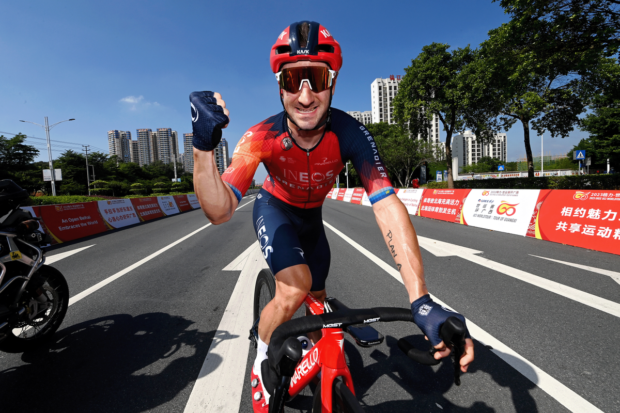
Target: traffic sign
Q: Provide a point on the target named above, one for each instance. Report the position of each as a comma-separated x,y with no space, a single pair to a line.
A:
47,175
439,176
500,168
579,155
588,161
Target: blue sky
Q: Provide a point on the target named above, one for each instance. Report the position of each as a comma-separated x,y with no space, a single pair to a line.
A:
132,64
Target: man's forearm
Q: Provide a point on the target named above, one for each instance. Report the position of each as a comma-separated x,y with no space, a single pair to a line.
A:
216,198
402,242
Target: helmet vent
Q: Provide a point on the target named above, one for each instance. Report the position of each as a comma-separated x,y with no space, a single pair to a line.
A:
325,48
283,50
302,32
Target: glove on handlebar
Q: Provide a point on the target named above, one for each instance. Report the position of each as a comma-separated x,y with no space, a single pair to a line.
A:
429,316
208,118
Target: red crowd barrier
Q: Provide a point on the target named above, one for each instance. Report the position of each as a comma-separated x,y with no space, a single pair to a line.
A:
147,208
586,219
72,221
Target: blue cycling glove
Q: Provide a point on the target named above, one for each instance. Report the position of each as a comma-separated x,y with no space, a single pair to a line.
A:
208,119
429,316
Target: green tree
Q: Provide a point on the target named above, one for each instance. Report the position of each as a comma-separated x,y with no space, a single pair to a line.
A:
401,154
533,92
484,164
439,83
569,34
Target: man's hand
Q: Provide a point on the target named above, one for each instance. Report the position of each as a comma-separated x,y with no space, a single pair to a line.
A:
209,117
429,316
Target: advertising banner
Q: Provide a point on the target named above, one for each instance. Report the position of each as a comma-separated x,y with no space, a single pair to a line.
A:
356,197
72,221
147,208
587,219
500,210
348,194
182,202
193,201
443,204
366,200
341,193
329,194
167,205
118,213
335,193
411,199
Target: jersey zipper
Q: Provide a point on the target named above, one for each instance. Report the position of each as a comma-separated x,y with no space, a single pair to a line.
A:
309,177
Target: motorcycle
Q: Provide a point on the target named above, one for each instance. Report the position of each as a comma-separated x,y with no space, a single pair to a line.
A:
33,296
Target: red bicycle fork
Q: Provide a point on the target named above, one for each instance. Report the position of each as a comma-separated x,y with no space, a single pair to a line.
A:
326,357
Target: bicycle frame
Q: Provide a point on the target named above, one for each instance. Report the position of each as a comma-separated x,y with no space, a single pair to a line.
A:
327,357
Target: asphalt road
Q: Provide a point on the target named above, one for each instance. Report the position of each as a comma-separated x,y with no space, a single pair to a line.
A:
138,343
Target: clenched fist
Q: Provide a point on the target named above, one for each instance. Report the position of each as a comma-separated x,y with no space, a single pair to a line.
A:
209,117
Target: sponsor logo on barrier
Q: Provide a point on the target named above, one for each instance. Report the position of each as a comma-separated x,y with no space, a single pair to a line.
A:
485,193
581,196
506,208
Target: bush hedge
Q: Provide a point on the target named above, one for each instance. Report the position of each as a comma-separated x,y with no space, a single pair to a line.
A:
61,199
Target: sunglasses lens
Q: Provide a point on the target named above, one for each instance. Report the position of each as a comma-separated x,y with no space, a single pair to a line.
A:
292,79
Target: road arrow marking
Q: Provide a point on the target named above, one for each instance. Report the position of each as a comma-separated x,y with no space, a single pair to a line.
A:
562,394
614,275
444,249
219,384
57,257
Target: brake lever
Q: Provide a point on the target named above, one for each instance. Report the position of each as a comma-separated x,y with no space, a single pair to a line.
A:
453,335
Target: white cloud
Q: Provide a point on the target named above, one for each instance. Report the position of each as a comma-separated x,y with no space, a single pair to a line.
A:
137,102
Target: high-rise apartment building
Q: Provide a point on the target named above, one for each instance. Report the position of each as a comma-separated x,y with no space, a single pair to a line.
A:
145,138
383,92
221,156
467,150
119,144
134,152
167,145
188,152
365,118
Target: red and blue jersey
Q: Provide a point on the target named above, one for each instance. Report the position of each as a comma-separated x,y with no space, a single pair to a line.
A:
301,177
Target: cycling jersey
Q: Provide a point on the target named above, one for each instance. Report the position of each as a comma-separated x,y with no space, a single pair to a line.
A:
303,177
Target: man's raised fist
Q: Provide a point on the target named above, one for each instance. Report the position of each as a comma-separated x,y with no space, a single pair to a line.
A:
209,117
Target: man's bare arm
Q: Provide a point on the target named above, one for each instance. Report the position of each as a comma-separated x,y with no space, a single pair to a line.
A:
402,241
216,198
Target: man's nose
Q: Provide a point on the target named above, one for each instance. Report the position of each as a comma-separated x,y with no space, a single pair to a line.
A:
306,97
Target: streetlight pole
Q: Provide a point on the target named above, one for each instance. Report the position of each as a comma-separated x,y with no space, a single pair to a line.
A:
47,128
542,156
85,149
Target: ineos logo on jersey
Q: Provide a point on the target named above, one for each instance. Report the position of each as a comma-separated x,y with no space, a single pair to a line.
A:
263,238
194,111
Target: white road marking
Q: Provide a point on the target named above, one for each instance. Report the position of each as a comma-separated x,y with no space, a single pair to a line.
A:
614,275
444,249
565,396
219,384
132,267
57,257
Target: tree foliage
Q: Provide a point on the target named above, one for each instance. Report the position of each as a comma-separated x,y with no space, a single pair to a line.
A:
439,83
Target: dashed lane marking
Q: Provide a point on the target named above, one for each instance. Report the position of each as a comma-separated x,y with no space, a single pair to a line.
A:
219,384
612,274
565,396
57,257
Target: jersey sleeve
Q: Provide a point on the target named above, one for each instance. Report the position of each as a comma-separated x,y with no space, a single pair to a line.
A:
253,147
358,145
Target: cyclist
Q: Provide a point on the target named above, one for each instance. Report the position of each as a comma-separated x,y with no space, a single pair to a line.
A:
304,148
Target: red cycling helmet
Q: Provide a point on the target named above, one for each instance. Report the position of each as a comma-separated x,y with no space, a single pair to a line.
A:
320,46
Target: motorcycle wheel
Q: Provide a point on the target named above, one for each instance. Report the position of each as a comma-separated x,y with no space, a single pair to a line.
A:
29,333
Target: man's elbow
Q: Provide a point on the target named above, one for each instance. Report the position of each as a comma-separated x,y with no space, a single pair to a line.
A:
219,219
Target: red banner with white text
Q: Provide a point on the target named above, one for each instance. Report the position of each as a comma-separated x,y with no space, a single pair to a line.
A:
341,193
587,219
443,204
147,208
72,221
182,203
358,194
